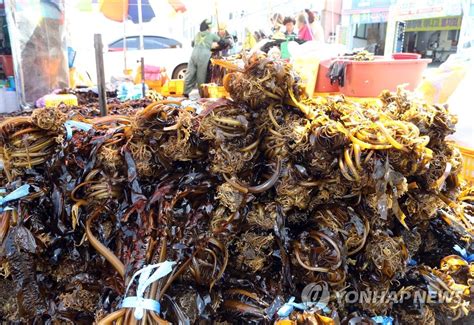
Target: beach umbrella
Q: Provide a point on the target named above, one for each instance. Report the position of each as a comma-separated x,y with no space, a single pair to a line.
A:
138,11
121,10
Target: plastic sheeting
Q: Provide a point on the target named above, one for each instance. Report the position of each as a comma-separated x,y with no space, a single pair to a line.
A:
460,103
38,38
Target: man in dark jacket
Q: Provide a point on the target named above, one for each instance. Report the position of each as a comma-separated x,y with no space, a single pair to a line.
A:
226,41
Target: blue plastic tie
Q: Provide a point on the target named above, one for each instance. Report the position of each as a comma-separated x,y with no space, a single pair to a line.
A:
20,192
76,124
288,307
384,320
144,281
143,303
412,262
463,252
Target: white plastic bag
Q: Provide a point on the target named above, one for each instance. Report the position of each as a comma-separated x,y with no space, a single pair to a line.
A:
460,103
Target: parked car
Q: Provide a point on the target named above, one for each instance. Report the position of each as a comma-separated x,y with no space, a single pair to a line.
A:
158,51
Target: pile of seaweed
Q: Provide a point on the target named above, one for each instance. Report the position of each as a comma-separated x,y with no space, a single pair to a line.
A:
235,213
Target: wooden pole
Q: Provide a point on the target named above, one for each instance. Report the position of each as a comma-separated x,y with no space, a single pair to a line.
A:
142,47
99,63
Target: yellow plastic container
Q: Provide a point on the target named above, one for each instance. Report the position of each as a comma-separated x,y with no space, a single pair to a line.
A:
468,163
154,84
56,100
212,90
173,87
215,91
221,92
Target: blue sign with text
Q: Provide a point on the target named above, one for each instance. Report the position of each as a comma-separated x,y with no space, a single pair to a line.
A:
371,4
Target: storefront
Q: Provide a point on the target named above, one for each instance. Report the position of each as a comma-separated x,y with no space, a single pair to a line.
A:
431,28
366,22
434,38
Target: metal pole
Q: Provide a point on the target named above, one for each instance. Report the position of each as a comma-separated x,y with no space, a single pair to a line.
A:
124,21
99,63
142,60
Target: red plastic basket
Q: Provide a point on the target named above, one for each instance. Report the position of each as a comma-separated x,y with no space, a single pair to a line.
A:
370,78
406,56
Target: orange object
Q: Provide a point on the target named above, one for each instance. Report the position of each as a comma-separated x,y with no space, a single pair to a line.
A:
370,78
406,56
114,9
154,84
285,322
467,163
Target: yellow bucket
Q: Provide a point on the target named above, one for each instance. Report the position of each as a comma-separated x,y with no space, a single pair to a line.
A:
174,87
56,100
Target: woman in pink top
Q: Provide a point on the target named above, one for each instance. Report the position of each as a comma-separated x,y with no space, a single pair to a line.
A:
304,29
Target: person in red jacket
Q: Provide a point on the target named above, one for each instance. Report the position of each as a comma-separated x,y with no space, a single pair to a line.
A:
304,29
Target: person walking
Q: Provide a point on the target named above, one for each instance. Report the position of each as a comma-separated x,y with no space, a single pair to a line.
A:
304,29
315,25
199,61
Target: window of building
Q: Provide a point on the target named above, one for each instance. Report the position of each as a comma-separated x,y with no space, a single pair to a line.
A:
361,31
453,35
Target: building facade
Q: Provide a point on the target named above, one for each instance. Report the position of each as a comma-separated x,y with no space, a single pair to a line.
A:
429,27
331,18
365,24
